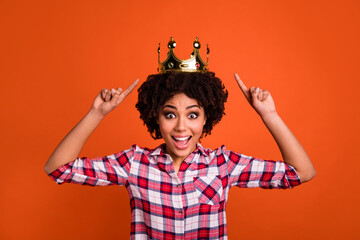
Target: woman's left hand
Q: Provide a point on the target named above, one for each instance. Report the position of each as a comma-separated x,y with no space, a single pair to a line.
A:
258,98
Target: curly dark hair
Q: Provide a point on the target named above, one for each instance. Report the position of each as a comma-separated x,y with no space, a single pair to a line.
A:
207,89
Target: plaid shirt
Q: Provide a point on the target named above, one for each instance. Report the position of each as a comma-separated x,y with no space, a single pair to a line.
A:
187,205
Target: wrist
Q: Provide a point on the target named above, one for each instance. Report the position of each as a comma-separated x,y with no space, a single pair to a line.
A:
94,113
270,116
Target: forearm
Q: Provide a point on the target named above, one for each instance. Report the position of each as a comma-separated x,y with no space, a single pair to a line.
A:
292,151
70,147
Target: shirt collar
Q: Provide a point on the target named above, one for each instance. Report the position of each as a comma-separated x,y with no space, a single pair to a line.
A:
159,151
200,149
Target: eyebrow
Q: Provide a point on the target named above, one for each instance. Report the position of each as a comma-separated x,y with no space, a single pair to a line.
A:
188,107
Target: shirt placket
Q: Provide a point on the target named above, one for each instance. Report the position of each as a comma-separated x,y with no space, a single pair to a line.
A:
178,204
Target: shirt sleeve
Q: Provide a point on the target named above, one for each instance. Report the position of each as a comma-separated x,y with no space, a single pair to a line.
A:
100,171
249,172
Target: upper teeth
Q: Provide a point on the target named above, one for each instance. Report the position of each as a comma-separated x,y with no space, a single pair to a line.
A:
181,139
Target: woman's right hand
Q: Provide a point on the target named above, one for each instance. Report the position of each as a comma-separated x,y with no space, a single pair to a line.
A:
107,100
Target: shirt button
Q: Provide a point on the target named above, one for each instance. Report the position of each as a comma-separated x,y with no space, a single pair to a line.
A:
178,185
180,211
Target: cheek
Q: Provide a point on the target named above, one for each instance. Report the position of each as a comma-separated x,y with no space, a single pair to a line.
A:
198,129
202,124
164,126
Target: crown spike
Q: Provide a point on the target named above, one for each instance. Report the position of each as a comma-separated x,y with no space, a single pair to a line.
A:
173,63
172,43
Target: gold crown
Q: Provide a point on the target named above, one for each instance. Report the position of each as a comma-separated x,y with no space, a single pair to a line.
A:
193,64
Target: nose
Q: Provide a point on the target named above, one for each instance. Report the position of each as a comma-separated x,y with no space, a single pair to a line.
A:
180,124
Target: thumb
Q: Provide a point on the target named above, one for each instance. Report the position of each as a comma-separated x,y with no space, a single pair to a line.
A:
254,92
115,95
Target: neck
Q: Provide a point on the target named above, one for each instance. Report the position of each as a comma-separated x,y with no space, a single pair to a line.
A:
176,159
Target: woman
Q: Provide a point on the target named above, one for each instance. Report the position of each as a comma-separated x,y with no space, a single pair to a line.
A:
180,189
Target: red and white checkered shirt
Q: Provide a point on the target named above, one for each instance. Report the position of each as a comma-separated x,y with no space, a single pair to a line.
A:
187,205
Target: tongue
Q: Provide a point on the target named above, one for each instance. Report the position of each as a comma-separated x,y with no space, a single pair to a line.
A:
182,142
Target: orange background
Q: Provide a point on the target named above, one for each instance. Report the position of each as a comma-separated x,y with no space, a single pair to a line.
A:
55,56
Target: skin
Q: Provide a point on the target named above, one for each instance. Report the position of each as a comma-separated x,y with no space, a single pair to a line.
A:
69,148
181,117
291,150
181,122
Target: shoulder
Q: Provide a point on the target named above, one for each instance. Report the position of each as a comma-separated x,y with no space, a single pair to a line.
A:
212,152
212,155
138,152
222,153
136,149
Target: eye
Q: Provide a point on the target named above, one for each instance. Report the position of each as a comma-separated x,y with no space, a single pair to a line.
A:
193,115
169,115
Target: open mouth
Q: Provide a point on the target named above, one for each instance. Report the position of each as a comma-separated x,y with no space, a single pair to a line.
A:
181,142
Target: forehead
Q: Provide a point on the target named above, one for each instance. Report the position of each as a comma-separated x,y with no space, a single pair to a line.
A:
181,100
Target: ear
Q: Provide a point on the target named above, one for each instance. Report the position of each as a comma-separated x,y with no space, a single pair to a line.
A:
204,121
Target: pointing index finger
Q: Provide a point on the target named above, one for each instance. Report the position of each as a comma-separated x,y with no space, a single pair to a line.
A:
242,86
130,88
